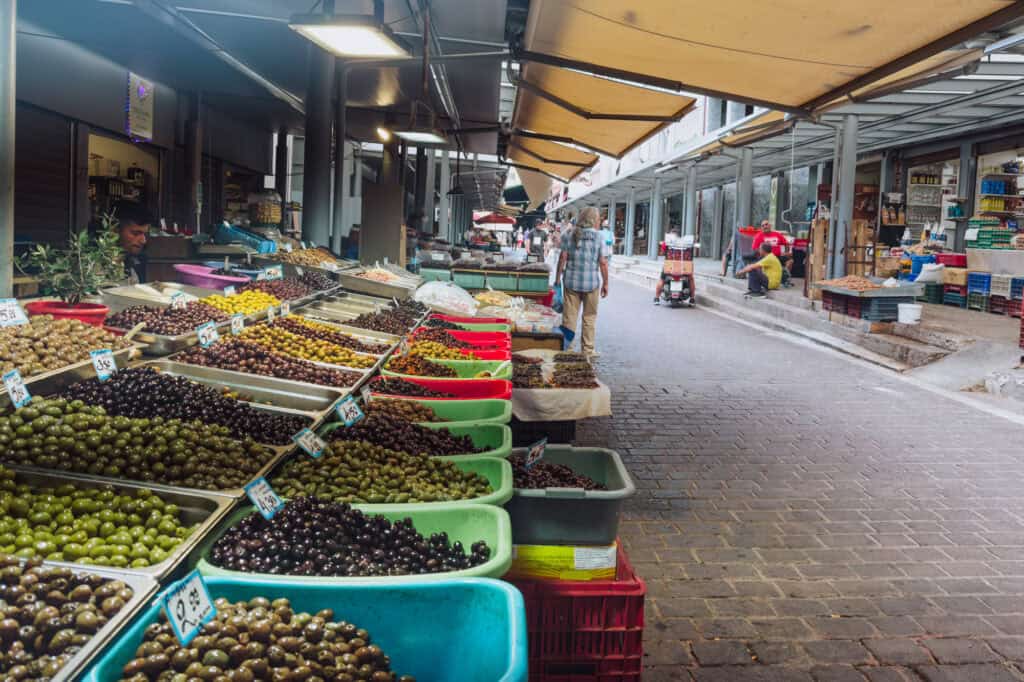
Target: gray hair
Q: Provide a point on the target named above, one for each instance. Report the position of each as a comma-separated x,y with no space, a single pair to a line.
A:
589,217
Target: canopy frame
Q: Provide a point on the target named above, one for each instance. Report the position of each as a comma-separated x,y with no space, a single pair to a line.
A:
578,164
591,115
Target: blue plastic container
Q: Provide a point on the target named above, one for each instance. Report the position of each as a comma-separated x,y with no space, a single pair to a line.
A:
1017,287
916,262
979,282
484,618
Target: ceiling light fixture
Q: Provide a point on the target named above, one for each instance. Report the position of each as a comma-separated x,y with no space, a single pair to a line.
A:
351,35
421,129
383,134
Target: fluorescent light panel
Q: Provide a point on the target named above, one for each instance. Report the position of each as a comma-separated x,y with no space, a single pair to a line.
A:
422,136
349,36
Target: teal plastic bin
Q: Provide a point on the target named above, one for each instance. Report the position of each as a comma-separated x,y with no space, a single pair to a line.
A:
466,523
502,281
484,619
470,279
465,369
497,438
533,281
435,275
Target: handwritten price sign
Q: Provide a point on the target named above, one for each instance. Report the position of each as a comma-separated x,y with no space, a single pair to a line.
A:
188,607
349,412
207,334
16,389
11,313
103,362
311,443
264,498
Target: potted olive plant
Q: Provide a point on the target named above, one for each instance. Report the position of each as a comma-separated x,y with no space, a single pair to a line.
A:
71,274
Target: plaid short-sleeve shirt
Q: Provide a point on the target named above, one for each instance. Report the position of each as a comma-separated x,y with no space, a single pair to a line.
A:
581,270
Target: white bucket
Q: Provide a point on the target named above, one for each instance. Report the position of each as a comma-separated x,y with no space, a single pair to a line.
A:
909,313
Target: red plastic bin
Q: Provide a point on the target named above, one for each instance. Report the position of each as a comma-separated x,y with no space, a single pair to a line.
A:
477,339
478,389
953,260
586,630
488,353
469,320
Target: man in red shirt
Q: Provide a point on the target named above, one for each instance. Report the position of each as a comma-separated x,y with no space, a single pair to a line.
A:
780,247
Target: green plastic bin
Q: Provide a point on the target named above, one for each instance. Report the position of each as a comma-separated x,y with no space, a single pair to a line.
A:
573,516
497,438
466,412
435,275
465,369
533,281
470,279
466,523
498,473
483,618
503,281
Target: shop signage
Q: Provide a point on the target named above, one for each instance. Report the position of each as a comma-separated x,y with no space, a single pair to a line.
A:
140,107
188,607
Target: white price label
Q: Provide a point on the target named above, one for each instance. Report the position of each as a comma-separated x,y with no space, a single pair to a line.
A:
16,389
365,394
261,275
286,309
434,255
264,498
270,314
178,300
103,362
536,452
299,272
303,244
230,291
188,607
349,412
11,313
310,442
275,272
237,323
207,334
331,267
288,247
312,245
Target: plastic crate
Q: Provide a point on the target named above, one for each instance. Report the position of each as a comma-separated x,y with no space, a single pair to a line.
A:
952,260
466,370
1017,287
498,389
1013,308
465,523
466,412
998,305
978,282
573,516
489,340
932,293
470,279
883,309
955,289
485,616
502,281
853,306
435,275
958,300
916,262
524,434
586,631
495,439
1000,286
533,281
977,301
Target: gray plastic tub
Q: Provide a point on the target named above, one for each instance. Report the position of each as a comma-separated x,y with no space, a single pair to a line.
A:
572,516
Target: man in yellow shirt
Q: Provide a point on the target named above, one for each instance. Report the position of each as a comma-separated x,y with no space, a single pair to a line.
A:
765,274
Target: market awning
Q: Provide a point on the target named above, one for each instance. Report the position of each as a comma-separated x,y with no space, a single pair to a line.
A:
792,56
548,157
494,218
601,114
537,186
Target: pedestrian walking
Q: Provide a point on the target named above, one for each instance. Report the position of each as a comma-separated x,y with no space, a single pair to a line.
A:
583,272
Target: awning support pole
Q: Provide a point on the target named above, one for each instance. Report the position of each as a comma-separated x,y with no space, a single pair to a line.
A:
630,221
341,185
8,22
744,198
654,230
316,192
444,222
837,149
690,224
428,200
847,176
967,179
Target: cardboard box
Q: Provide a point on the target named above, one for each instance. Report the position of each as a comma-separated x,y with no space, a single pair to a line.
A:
678,267
954,276
551,562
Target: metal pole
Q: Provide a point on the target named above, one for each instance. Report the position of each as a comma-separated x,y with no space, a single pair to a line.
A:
194,160
8,21
690,221
428,201
967,179
630,222
847,175
281,170
744,197
316,192
654,229
444,223
718,219
341,185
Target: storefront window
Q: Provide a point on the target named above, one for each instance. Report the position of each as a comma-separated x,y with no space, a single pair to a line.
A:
121,171
760,207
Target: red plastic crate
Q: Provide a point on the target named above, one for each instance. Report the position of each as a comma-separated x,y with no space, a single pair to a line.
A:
488,340
853,306
586,630
499,389
468,320
952,260
998,305
955,289
1013,308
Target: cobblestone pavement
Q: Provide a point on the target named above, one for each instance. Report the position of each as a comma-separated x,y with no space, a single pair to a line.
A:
802,517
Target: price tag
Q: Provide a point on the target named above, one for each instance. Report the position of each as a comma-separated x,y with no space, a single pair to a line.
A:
395,301
11,313
348,411
230,291
434,255
103,362
178,300
16,389
270,314
330,267
188,607
286,309
299,272
261,275
312,245
288,247
366,394
237,323
275,272
536,452
303,244
207,334
264,498
310,442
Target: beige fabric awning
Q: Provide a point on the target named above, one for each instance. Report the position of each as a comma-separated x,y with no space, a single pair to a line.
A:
550,157
537,186
604,115
787,54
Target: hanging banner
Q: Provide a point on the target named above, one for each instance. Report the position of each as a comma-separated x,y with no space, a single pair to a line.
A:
140,107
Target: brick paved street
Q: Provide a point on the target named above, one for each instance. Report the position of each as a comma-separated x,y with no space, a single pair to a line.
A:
801,517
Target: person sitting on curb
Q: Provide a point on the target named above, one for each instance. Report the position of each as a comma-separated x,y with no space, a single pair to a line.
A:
765,274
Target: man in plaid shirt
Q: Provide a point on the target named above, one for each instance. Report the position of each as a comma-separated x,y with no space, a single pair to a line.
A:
583,271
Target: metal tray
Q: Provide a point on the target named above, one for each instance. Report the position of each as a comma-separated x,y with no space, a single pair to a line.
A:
368,286
345,304
119,298
314,313
143,587
204,508
363,298
267,392
59,379
910,291
160,345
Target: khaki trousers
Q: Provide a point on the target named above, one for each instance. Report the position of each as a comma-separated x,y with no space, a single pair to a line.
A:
572,300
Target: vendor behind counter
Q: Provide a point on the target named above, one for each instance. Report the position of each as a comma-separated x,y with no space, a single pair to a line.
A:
133,225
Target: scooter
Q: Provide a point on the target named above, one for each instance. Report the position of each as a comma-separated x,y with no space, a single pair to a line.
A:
677,274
